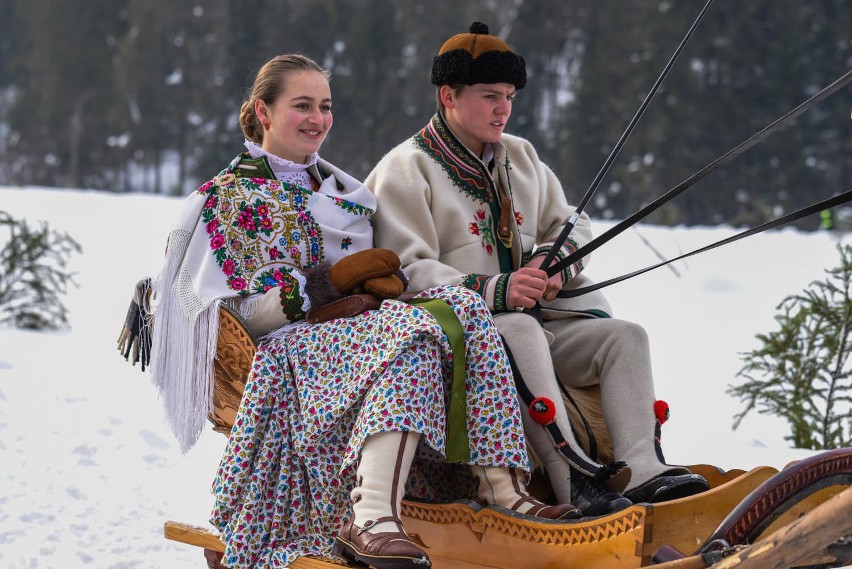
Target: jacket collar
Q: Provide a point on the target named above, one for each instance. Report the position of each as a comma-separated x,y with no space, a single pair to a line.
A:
464,168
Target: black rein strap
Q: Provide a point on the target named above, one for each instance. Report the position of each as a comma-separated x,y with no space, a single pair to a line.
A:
819,206
569,225
704,172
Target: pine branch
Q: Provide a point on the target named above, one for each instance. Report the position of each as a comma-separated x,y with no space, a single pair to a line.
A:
33,274
801,371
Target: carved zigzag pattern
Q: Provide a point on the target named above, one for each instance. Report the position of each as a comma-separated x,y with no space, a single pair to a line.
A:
595,533
532,532
439,515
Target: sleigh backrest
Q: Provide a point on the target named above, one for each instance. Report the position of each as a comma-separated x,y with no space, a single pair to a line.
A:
584,410
235,350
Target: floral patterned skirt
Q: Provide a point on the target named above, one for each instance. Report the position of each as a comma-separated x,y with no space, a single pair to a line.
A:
314,396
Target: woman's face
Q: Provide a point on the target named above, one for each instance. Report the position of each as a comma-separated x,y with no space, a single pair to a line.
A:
300,117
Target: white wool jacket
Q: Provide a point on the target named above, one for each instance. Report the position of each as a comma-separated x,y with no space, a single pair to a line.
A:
440,208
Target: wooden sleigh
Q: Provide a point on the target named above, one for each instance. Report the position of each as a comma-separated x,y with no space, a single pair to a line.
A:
798,517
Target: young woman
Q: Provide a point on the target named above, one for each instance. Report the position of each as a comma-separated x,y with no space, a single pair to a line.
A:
332,413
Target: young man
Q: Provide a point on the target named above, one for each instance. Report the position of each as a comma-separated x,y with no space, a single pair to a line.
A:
463,203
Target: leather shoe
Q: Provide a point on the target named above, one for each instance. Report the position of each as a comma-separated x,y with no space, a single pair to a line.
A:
668,487
542,510
385,550
594,499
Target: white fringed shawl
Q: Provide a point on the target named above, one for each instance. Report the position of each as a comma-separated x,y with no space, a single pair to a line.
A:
193,282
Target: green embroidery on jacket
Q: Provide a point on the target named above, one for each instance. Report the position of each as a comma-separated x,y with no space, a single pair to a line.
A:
476,283
470,175
483,226
501,291
465,171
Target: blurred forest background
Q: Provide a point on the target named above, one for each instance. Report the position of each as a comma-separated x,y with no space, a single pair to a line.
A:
144,95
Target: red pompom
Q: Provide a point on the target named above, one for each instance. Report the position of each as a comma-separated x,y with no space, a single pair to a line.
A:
542,410
661,410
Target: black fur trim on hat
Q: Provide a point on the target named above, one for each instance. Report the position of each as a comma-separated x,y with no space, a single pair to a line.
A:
459,67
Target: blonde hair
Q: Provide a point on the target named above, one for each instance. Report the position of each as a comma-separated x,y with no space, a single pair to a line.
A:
268,84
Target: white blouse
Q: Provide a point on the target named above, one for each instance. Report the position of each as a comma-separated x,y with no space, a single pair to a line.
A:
285,170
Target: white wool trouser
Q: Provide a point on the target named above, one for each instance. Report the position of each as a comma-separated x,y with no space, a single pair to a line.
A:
382,471
530,350
614,354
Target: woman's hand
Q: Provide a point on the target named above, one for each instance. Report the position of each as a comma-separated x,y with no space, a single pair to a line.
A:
372,270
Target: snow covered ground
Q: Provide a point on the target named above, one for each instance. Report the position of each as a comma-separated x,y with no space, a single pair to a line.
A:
89,471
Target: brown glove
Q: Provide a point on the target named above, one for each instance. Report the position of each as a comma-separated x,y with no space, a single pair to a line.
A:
351,305
374,271
390,286
358,268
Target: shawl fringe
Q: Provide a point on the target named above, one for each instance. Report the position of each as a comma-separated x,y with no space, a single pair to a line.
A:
184,346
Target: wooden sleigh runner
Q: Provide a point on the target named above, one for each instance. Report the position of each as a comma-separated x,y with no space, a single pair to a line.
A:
798,517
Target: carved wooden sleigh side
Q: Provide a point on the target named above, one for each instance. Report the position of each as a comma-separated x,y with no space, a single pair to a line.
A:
463,535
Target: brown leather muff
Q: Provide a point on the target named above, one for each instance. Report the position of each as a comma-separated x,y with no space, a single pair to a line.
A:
355,269
347,306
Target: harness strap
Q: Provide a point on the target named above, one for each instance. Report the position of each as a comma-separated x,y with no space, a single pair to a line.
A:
819,206
574,459
593,442
704,172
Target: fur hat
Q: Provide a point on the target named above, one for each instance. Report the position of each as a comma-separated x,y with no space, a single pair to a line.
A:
478,57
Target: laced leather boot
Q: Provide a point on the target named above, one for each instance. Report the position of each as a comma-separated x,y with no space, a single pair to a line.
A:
676,482
375,535
503,487
593,498
671,485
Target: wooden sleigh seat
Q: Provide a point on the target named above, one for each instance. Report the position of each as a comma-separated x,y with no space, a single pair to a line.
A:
235,351
464,535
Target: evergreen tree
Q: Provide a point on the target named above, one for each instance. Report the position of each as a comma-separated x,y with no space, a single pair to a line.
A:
173,73
802,371
63,83
115,95
6,43
746,65
33,274
553,75
7,48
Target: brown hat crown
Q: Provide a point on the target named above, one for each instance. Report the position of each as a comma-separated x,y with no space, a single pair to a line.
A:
477,57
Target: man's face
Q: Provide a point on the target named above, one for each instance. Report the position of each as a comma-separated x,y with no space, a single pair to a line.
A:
477,114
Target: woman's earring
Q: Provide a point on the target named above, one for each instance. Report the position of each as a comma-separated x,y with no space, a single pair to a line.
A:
265,125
